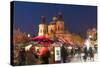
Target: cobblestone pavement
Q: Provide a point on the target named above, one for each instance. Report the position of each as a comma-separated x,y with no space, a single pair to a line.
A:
78,58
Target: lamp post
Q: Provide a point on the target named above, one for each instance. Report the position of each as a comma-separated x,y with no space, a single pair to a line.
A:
29,36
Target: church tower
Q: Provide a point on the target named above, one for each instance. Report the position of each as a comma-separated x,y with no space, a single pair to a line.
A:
60,24
42,27
52,26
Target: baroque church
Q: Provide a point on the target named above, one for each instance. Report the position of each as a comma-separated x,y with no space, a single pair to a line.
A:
54,29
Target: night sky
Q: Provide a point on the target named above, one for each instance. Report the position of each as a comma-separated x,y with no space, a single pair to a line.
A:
77,18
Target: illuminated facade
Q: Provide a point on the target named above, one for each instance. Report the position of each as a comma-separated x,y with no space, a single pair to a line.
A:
42,27
56,26
55,29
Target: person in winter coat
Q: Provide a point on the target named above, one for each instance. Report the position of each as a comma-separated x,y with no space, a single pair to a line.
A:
22,57
64,54
44,55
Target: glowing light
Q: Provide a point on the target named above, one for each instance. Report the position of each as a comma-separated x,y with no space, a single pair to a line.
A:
27,48
29,35
90,36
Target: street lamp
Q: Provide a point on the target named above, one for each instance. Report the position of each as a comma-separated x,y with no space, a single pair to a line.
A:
90,36
28,35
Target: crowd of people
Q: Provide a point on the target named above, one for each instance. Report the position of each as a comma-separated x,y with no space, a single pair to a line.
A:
85,53
43,55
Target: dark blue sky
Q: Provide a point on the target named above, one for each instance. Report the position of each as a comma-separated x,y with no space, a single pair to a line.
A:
77,18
